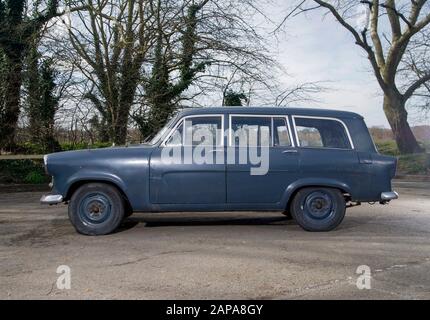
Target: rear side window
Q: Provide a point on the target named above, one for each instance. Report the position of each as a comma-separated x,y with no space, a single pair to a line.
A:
321,133
264,131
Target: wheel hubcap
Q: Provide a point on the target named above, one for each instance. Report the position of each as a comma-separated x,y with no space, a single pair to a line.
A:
95,208
318,205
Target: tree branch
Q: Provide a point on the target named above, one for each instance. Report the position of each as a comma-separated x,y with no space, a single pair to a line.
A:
394,15
379,53
361,42
410,91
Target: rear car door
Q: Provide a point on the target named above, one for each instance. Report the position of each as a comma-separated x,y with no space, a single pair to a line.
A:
326,150
270,137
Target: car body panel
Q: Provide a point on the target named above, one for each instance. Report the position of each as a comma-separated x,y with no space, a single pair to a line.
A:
151,185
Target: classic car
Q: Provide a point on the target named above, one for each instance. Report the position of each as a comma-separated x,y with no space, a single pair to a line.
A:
310,164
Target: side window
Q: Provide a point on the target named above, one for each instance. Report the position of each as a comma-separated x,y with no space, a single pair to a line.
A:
321,133
281,136
251,131
194,131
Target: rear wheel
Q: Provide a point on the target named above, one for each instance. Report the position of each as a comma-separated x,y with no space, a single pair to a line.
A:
96,209
318,209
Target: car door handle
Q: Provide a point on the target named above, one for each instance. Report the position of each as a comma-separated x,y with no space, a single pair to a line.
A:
290,151
216,150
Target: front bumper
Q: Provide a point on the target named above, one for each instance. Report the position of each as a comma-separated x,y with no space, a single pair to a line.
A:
389,195
51,199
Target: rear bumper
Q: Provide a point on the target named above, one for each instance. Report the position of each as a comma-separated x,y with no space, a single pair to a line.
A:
389,195
51,199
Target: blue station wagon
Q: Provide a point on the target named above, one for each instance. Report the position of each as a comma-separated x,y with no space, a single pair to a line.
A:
309,164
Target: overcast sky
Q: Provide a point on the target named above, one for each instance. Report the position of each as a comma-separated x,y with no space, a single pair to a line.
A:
317,49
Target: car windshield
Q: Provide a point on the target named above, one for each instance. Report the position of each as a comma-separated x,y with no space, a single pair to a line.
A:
161,133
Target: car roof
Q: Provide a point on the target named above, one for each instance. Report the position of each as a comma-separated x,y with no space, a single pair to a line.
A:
271,111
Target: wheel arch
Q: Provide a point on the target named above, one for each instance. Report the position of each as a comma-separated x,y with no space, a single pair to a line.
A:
77,183
305,183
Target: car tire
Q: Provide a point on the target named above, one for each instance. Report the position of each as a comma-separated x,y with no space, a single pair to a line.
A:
96,209
318,209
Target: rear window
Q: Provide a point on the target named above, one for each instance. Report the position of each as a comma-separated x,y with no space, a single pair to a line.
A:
321,133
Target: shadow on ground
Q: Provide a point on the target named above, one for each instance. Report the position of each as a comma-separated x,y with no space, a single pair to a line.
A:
187,221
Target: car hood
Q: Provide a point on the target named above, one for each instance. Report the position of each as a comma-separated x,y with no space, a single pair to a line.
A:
87,156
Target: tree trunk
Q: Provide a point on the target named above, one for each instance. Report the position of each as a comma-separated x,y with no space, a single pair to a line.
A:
119,125
12,93
394,108
120,130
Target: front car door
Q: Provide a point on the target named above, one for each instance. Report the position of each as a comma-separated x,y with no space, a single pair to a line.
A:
187,168
271,137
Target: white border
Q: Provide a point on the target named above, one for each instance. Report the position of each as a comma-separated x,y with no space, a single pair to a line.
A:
181,120
322,118
293,145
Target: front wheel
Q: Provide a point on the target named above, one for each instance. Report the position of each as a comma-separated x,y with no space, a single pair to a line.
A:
318,209
96,209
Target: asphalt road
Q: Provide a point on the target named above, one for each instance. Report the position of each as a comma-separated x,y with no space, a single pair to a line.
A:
218,255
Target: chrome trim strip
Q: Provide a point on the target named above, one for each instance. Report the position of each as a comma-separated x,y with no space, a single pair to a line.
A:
322,118
293,143
51,199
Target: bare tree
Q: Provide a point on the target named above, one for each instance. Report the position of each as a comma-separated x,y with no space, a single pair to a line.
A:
146,58
112,40
415,65
386,53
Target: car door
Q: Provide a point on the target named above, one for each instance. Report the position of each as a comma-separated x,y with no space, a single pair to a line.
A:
271,137
187,168
327,151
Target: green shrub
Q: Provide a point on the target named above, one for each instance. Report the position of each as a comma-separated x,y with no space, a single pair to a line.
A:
35,177
29,148
23,171
34,148
407,164
388,147
414,164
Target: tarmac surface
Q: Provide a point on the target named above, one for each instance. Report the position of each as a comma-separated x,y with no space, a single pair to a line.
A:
230,255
